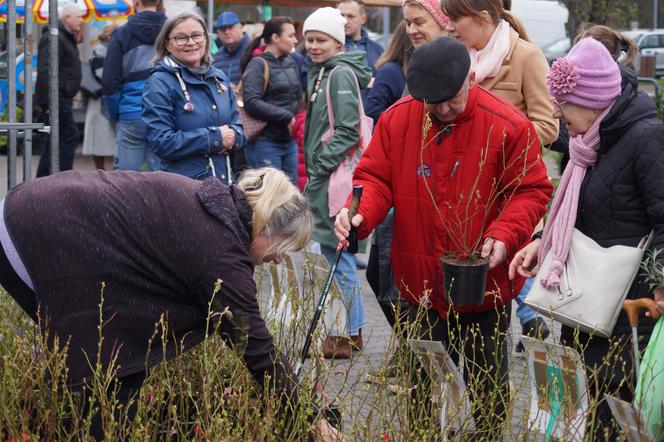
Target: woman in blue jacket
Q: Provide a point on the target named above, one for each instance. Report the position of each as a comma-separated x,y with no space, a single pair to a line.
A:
188,105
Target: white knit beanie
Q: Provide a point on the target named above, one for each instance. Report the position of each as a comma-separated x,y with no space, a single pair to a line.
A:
328,21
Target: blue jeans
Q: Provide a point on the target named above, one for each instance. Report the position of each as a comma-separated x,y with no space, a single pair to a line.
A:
524,312
132,149
349,284
265,152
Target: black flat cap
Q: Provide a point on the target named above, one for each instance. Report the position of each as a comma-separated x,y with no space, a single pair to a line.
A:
437,70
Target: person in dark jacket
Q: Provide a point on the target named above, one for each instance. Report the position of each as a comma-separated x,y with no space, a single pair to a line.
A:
69,79
275,101
390,79
234,43
189,107
70,237
357,38
617,173
126,68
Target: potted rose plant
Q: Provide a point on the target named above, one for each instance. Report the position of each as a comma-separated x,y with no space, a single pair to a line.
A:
464,269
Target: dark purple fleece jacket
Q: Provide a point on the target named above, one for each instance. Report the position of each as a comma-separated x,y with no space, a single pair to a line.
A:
158,242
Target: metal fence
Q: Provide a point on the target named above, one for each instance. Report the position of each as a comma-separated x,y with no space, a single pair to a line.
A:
12,127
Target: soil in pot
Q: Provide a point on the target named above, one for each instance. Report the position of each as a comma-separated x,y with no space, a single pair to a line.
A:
464,280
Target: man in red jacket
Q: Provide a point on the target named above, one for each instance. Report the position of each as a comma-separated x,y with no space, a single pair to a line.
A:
476,143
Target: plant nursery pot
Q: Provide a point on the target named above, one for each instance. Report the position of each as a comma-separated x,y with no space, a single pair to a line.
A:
464,282
333,416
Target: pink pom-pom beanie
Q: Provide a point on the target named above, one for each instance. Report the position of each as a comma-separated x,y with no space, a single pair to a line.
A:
587,76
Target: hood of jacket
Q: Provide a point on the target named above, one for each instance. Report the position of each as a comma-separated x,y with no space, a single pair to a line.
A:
229,206
146,25
354,60
631,107
185,72
628,77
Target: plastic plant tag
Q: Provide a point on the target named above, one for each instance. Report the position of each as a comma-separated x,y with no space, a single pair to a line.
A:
455,414
559,399
630,419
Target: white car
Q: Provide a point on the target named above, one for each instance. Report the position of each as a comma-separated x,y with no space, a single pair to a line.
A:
650,42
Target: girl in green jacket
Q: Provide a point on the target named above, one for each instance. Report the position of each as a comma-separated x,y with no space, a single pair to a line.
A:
324,40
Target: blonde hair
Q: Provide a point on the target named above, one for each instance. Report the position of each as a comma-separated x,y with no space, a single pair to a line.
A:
615,42
164,35
279,209
105,34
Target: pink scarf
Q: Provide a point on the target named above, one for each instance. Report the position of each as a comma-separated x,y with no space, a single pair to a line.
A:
486,62
562,216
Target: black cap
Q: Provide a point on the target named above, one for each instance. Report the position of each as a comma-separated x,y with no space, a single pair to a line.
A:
437,70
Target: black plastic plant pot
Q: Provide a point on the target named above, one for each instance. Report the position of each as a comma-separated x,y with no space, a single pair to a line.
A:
464,283
333,416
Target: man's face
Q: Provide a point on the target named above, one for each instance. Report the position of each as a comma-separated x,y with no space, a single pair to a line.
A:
421,27
230,35
450,109
355,19
73,22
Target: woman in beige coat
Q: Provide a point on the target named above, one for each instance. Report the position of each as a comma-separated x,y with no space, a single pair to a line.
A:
504,60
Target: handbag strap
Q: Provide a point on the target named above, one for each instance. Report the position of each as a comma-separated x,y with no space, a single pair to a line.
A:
266,77
330,114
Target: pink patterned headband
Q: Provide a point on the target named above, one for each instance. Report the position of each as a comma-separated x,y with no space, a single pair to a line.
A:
432,7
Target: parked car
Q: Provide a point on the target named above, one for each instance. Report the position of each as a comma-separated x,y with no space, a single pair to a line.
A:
650,43
544,20
557,49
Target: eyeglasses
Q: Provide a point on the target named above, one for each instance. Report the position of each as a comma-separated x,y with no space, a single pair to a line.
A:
183,39
556,102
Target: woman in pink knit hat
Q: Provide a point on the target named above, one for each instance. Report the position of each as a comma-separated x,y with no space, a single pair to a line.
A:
613,192
425,20
504,59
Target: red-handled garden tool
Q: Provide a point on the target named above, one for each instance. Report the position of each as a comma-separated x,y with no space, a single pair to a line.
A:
352,248
633,307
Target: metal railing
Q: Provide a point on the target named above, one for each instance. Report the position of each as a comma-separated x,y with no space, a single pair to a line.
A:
13,127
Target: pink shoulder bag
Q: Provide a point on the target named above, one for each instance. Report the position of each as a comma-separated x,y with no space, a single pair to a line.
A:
341,180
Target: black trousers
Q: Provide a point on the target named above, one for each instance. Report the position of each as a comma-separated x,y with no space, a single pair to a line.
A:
482,339
68,137
609,370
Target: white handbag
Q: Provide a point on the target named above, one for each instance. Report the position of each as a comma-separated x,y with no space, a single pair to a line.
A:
593,284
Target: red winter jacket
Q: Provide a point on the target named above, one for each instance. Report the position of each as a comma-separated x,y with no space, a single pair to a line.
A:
392,175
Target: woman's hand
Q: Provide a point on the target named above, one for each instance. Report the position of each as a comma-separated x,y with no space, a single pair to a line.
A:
525,261
324,432
227,137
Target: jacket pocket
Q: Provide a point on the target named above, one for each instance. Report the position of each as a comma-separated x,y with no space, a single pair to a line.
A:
506,86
